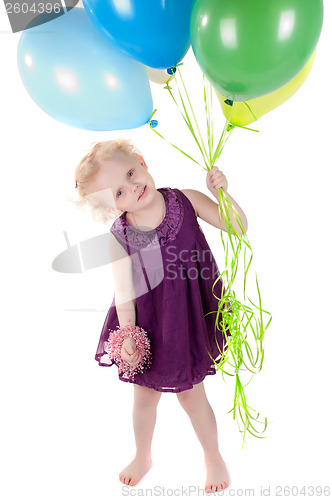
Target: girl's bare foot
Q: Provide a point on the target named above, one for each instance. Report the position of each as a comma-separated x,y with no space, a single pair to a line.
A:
135,470
216,474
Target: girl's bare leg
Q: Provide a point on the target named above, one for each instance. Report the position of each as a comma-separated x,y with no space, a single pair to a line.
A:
144,419
197,406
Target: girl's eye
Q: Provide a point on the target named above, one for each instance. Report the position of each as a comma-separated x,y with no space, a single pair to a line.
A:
130,176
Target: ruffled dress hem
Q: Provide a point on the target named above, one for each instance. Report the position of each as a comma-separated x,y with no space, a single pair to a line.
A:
195,380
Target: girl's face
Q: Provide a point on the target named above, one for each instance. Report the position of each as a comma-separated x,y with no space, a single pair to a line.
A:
119,183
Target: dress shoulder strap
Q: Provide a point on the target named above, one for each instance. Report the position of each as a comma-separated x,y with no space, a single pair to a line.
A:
186,202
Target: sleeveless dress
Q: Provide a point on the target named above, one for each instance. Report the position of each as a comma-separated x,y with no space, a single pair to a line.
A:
173,274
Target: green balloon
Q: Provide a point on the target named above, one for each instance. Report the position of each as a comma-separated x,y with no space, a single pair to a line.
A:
249,48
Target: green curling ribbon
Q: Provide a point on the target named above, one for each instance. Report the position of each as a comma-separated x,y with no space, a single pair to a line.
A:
245,346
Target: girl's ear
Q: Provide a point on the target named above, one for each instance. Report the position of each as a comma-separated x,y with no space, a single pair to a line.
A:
141,160
114,212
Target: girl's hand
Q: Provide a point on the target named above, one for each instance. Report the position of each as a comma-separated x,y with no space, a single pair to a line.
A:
215,179
129,352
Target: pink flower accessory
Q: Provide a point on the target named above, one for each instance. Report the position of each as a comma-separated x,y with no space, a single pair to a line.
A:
114,345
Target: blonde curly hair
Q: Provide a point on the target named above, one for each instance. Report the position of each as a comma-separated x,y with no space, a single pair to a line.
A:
89,166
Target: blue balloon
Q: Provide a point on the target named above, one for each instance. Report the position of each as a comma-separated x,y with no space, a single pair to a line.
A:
154,32
78,78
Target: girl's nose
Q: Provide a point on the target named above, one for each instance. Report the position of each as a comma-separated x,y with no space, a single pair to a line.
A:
136,189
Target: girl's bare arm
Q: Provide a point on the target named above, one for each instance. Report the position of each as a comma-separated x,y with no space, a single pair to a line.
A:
125,297
208,210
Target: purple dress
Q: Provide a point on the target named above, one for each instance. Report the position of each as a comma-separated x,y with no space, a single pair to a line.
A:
173,272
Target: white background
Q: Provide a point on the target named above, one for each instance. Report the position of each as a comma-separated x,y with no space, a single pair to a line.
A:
66,422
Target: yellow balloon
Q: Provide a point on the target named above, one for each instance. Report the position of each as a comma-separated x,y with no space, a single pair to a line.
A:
240,114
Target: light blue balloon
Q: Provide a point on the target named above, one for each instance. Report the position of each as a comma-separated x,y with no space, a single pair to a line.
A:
154,32
78,78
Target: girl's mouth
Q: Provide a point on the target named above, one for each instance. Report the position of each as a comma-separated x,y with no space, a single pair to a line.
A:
142,193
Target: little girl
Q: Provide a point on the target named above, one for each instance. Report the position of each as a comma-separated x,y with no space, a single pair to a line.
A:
163,271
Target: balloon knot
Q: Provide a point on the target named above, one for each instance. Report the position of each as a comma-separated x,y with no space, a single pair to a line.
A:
171,71
229,102
153,123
